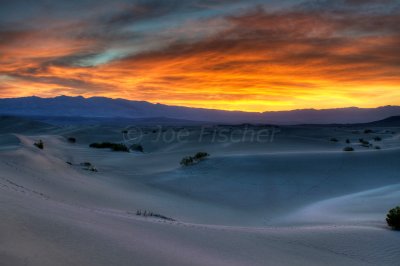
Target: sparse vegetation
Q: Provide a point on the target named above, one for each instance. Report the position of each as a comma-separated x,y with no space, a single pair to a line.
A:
189,160
377,147
368,131
347,141
348,149
136,147
377,138
201,156
334,140
151,214
365,143
71,140
88,166
93,169
110,145
393,218
186,161
39,144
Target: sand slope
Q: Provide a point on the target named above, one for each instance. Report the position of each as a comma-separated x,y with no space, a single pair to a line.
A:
297,201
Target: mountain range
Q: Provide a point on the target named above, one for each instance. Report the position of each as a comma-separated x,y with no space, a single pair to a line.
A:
70,108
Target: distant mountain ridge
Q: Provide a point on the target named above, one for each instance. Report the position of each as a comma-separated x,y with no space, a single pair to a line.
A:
101,107
393,121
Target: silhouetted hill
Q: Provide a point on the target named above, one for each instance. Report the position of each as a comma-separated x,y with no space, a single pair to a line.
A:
100,107
393,121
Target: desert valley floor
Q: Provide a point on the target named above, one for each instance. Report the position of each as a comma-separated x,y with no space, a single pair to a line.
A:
297,200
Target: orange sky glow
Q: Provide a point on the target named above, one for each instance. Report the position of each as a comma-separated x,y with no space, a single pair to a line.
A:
252,61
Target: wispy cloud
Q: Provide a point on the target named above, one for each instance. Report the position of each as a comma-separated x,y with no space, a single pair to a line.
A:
220,54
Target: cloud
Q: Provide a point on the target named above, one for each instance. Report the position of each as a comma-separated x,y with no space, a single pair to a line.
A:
313,54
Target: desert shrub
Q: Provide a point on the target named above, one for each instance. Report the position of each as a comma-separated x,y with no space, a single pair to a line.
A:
151,214
334,140
72,140
88,166
137,147
377,138
367,131
110,145
393,218
377,147
200,156
69,163
120,147
188,160
92,169
39,144
365,143
347,141
97,145
348,149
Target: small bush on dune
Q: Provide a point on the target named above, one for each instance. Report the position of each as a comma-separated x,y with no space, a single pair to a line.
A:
96,146
393,218
189,160
72,140
348,149
39,144
365,143
120,147
201,155
334,140
151,214
137,147
88,166
377,138
347,141
92,169
109,145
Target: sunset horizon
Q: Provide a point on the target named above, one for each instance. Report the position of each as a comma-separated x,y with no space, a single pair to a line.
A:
200,107
242,55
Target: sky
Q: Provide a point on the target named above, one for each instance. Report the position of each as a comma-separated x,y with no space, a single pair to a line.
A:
248,55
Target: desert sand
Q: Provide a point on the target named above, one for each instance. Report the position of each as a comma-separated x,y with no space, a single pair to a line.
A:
296,200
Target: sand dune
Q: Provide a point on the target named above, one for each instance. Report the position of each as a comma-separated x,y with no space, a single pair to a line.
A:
299,200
